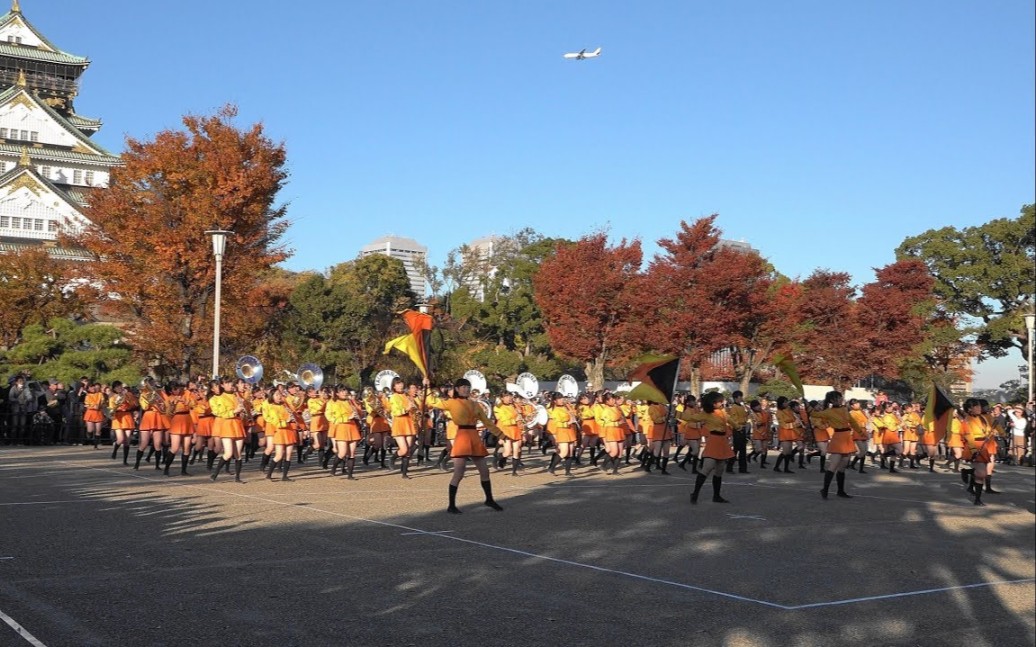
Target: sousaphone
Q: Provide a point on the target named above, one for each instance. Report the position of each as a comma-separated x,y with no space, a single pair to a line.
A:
478,381
310,376
249,369
383,380
567,386
528,385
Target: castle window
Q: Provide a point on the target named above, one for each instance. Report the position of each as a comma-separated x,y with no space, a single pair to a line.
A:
3,133
34,136
5,222
52,226
16,222
90,178
77,177
37,225
45,171
25,135
27,224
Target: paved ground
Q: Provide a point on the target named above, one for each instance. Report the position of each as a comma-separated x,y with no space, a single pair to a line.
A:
93,553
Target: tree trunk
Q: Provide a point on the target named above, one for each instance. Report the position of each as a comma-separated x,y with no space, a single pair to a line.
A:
696,381
595,373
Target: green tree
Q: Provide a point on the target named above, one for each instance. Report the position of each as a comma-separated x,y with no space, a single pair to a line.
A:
986,274
66,350
342,321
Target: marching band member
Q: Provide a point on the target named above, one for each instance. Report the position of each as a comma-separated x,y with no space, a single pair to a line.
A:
630,437
282,421
739,417
509,420
468,444
121,404
228,427
151,403
377,426
93,415
787,434
590,436
860,435
718,433
890,437
402,409
181,428
822,434
842,425
316,404
980,448
692,433
912,431
203,426
343,415
559,424
759,418
615,427
658,434
295,400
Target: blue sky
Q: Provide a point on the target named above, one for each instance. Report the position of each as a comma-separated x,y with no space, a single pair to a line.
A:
821,132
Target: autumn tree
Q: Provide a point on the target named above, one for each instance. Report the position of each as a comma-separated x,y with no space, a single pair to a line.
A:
585,291
986,275
830,339
34,288
704,297
147,236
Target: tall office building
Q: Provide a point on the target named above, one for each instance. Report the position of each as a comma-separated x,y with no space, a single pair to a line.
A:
481,251
412,253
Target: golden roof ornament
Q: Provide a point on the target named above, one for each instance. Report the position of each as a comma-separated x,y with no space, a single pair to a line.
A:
21,82
16,6
25,161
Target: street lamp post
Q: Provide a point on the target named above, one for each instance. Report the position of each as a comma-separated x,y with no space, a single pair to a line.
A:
219,244
1030,326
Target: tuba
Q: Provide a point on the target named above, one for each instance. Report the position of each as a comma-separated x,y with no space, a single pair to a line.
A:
528,385
249,369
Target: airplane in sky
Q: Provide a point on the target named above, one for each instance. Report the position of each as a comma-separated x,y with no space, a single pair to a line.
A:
584,54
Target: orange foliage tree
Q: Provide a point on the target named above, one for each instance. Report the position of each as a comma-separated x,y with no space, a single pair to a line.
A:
33,289
151,254
586,294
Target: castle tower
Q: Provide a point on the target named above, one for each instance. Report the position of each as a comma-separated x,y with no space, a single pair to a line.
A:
48,163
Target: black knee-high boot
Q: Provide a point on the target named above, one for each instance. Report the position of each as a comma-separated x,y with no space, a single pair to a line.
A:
168,461
183,465
777,464
698,483
828,477
649,457
150,453
325,457
514,467
404,467
285,466
211,459
334,466
264,462
629,451
115,450
989,485
594,455
978,495
125,454
840,479
787,465
453,500
568,466
367,454
717,484
823,463
665,463
861,466
553,463
237,471
140,455
271,465
487,487
349,465
603,464
445,455
853,462
931,464
215,472
160,457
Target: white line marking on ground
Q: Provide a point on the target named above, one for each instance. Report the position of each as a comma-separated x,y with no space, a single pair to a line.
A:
21,631
746,516
426,532
592,567
906,594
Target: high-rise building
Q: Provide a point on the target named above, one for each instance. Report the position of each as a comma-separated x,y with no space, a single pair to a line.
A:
412,253
49,163
481,251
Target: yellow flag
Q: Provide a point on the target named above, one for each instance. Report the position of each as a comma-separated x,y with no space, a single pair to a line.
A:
788,368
